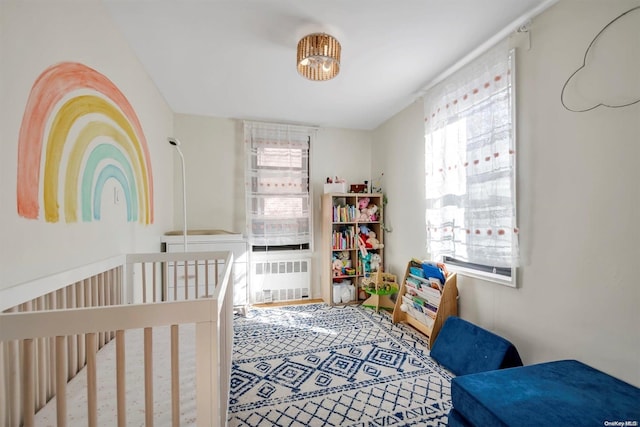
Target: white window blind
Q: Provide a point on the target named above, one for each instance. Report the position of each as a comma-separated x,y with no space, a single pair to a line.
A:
470,159
277,184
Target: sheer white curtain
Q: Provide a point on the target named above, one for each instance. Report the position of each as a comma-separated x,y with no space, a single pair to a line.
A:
277,184
470,161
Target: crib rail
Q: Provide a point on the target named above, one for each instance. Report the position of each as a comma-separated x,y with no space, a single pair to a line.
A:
71,334
98,289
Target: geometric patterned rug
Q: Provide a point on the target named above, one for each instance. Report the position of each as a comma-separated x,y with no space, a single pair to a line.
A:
316,365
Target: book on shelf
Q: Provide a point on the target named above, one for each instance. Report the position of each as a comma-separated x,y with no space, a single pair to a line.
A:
425,291
430,270
344,213
432,301
440,265
344,239
431,290
433,271
423,306
422,283
424,300
417,279
436,283
429,315
416,272
427,307
418,312
429,321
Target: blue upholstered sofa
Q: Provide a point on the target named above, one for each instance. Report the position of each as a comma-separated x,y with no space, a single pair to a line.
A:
492,388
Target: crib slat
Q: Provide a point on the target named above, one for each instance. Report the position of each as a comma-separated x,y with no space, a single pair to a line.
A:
80,302
61,301
148,376
144,281
186,280
116,281
94,294
111,300
155,297
88,290
28,382
72,354
51,380
60,298
92,386
41,362
206,277
107,300
175,376
120,379
121,289
101,335
41,373
216,273
13,382
175,280
102,291
196,265
61,381
165,281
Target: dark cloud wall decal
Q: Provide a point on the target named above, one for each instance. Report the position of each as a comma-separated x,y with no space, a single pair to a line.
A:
610,72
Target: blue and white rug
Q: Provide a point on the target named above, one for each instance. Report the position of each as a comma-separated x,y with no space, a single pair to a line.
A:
315,365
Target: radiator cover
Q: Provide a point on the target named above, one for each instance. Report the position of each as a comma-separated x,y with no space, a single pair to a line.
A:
278,278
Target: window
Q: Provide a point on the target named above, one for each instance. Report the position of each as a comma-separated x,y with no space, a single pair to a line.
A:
278,205
470,167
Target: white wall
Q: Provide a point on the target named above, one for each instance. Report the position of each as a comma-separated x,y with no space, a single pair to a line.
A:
337,152
398,152
33,36
214,164
579,204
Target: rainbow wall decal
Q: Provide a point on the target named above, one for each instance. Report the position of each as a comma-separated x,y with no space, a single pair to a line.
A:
81,131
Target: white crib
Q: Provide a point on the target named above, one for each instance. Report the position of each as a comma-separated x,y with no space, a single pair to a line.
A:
52,328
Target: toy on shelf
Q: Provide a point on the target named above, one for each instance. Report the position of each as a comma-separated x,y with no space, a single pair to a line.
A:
363,203
337,268
375,262
365,257
367,212
335,185
372,242
359,188
369,238
379,286
376,185
372,212
341,264
336,180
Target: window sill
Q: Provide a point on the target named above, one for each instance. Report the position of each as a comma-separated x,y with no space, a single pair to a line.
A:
489,277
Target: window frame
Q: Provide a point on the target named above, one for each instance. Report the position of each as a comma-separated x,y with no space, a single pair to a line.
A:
252,161
488,272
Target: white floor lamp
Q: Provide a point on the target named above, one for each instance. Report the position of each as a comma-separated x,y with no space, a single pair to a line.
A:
176,143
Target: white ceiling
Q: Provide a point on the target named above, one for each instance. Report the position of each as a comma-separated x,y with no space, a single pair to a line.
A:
237,58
